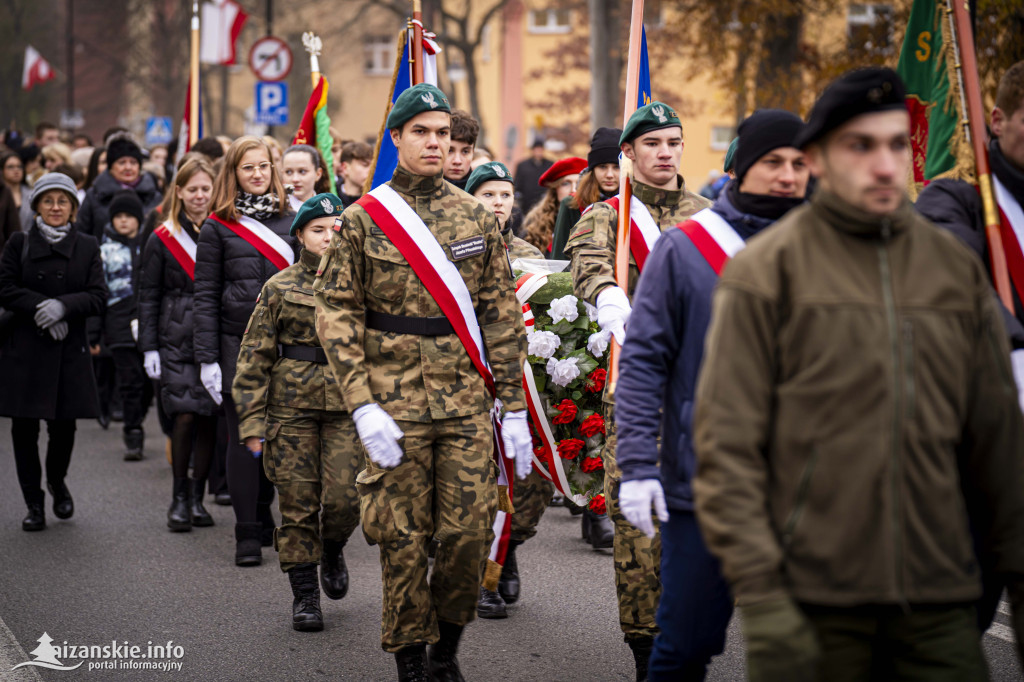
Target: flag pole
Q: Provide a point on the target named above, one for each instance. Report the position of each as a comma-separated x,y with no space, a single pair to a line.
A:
314,46
416,53
193,81
974,128
636,26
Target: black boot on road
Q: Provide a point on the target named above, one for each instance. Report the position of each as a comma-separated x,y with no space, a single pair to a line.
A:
247,544
36,519
133,440
412,663
179,518
333,571
641,647
306,615
200,517
490,605
508,583
63,505
443,665
601,534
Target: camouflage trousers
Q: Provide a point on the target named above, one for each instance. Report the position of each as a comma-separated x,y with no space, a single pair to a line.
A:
445,488
312,458
530,497
637,557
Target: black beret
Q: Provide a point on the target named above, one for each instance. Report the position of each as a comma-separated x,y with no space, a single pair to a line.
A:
861,91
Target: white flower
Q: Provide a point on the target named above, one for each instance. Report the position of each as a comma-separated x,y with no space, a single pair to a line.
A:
598,343
564,308
563,372
542,344
591,311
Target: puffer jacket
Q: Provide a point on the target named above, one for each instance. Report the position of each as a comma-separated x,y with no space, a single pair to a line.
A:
856,403
94,214
166,323
230,273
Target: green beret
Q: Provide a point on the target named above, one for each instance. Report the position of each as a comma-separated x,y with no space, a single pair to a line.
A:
653,116
318,206
730,156
493,170
417,99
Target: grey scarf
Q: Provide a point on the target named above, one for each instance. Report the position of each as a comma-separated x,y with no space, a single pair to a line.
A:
52,234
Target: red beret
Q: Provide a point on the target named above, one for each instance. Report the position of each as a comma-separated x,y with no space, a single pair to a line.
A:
568,166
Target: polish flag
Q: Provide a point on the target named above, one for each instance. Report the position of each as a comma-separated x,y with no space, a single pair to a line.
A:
222,23
37,70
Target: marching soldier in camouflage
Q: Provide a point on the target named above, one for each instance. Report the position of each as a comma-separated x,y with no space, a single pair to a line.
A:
653,141
491,183
290,408
406,375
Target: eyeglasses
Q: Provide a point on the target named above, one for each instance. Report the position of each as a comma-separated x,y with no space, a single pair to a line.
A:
60,202
250,169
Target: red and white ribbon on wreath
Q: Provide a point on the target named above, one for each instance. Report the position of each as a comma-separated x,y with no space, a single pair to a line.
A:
548,464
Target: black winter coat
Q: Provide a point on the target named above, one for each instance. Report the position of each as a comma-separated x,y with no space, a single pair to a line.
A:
166,323
230,273
95,211
43,378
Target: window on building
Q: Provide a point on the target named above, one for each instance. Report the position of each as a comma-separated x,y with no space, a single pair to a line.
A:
378,55
721,137
549,21
869,28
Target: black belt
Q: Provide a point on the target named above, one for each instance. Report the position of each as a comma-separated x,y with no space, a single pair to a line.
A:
308,353
400,324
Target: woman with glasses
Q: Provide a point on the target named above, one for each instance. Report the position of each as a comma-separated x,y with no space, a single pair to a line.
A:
14,179
243,243
52,279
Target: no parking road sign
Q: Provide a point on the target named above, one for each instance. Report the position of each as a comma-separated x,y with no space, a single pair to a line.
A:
270,59
271,103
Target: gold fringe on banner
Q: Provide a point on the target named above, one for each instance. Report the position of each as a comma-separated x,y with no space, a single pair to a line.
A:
959,146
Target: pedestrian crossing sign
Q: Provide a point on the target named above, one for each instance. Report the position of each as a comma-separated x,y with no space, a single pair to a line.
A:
158,130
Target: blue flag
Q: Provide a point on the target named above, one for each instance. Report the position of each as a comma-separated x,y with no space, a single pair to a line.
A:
387,157
643,91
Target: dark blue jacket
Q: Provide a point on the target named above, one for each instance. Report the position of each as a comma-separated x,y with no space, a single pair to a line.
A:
662,356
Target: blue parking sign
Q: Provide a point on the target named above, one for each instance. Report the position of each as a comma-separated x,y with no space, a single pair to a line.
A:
271,103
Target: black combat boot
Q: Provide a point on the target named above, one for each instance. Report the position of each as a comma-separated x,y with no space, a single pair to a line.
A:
200,517
443,666
333,571
133,440
36,519
490,604
267,522
412,663
641,647
508,583
585,526
306,616
179,518
247,544
63,505
601,535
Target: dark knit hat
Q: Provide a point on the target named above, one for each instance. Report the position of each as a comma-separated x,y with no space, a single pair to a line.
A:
120,147
761,132
653,116
604,147
417,99
318,206
493,170
126,201
861,91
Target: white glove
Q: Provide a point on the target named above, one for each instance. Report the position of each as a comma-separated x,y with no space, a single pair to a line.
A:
152,364
613,311
635,500
1017,361
58,330
379,434
515,435
135,330
209,374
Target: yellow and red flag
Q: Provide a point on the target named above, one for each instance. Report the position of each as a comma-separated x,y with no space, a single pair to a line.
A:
315,127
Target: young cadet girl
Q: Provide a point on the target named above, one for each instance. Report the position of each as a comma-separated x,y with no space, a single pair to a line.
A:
491,183
291,413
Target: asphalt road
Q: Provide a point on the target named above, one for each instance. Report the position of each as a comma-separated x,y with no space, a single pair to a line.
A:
115,573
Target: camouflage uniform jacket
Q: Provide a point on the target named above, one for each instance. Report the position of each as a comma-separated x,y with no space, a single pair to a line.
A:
591,246
418,378
285,315
519,248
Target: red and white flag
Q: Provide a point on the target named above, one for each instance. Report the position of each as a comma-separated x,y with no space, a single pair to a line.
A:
222,23
37,70
186,123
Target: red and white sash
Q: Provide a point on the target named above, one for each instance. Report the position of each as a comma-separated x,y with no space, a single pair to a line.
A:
1011,224
181,246
714,237
643,231
270,244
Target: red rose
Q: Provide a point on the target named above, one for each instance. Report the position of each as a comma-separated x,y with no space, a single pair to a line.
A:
569,448
543,453
592,425
591,464
595,380
597,504
567,410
